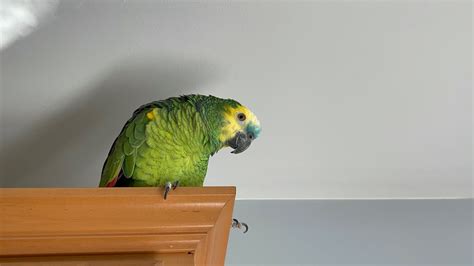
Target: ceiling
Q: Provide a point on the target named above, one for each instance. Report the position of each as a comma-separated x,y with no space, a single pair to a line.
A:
356,100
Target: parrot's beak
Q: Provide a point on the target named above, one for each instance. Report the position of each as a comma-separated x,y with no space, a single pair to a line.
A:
240,142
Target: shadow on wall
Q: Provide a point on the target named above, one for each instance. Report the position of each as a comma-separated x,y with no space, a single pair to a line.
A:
72,144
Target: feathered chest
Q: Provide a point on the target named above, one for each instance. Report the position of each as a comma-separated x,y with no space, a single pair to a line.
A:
177,147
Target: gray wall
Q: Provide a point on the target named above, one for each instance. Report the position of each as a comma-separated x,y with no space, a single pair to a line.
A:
357,99
353,232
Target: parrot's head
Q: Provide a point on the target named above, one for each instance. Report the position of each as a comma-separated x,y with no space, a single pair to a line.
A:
240,127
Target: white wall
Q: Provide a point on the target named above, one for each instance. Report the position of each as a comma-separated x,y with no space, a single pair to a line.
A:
356,99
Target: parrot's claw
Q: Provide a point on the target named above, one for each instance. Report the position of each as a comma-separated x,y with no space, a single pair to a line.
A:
239,225
168,187
175,184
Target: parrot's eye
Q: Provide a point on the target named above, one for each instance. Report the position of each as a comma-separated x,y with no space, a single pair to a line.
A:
241,117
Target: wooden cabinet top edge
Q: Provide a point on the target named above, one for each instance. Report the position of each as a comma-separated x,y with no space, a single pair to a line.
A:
125,191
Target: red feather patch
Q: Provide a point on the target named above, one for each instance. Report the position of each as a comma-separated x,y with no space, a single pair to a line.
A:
112,182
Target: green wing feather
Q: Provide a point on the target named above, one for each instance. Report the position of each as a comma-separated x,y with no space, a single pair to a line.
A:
123,153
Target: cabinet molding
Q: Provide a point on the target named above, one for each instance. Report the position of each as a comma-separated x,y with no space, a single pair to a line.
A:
58,222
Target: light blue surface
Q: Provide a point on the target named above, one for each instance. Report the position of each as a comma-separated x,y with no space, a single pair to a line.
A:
353,232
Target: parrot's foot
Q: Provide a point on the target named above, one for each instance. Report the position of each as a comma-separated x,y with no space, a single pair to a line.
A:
175,184
169,187
239,225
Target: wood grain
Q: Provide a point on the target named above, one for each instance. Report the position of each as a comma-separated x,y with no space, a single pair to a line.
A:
147,259
97,221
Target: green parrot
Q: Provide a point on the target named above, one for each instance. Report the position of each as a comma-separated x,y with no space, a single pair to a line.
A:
169,142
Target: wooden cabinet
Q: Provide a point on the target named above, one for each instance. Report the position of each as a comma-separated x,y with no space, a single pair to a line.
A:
115,226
